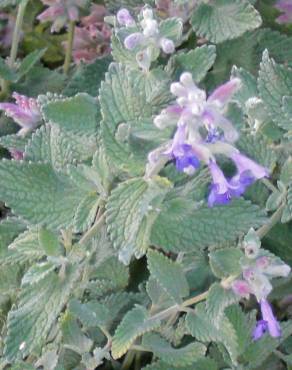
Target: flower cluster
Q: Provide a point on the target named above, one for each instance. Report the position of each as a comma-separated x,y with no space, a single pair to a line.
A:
146,36
202,133
258,267
60,12
285,7
92,37
25,112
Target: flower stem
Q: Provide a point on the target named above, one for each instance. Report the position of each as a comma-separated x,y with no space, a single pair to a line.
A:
93,230
262,231
15,42
269,185
68,55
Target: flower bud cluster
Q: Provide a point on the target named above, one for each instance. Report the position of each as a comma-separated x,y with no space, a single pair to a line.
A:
144,36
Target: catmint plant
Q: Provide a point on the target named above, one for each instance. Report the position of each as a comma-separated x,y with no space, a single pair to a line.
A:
145,185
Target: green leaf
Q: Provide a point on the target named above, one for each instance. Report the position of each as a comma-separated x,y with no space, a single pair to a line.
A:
274,82
40,80
287,212
225,262
163,270
72,335
218,299
38,308
173,356
87,78
110,275
51,144
24,248
197,61
79,114
257,147
171,28
5,72
242,325
90,314
14,142
225,19
118,155
203,329
202,364
49,242
37,272
286,172
86,212
248,87
127,206
128,96
135,323
39,194
9,229
28,62
182,228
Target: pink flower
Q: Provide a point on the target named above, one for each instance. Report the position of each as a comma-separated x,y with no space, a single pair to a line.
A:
6,30
60,12
285,6
92,38
25,112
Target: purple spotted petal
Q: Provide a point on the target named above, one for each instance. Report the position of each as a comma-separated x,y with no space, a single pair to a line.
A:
259,330
186,161
268,316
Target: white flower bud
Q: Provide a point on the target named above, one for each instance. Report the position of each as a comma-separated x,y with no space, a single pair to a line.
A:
147,13
177,89
167,46
186,79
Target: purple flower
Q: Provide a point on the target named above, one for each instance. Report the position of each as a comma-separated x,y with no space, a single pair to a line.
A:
259,330
124,18
285,6
24,112
222,190
268,322
183,154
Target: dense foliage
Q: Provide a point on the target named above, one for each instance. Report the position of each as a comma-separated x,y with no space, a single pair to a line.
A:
146,184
